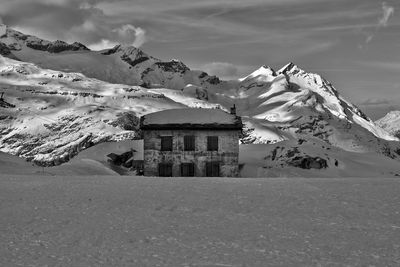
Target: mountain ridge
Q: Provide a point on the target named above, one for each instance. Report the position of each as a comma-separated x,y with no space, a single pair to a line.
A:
285,105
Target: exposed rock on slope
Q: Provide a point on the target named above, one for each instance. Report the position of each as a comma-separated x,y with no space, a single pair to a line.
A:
15,40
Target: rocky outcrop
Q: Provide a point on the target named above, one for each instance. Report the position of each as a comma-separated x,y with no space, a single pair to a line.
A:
307,162
300,156
5,104
6,51
127,121
56,46
20,39
172,66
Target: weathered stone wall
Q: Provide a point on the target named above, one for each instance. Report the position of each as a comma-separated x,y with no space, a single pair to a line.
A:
227,154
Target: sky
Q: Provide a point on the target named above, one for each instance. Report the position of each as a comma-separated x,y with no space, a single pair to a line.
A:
352,43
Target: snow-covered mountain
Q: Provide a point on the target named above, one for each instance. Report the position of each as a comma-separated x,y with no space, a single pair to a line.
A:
124,65
391,122
69,99
49,116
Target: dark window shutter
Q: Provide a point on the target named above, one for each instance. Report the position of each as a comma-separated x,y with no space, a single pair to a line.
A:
212,143
212,169
165,169
187,169
189,143
208,169
215,169
166,143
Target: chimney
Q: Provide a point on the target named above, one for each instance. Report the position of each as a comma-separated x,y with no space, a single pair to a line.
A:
233,110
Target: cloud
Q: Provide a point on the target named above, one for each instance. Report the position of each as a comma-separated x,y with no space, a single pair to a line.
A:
221,69
71,20
375,102
128,31
388,11
103,44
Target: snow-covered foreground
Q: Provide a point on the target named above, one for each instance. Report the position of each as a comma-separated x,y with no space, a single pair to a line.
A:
132,221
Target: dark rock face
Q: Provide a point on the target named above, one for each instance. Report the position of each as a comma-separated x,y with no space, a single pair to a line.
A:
127,121
203,75
5,104
130,55
42,45
173,66
307,162
6,51
213,80
60,46
134,62
56,46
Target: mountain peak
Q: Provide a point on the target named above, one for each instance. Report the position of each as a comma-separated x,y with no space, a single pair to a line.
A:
391,122
123,49
290,67
268,70
264,72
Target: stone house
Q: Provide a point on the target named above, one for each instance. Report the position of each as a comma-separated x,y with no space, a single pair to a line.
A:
191,142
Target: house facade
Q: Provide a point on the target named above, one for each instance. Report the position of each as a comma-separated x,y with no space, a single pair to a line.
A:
191,142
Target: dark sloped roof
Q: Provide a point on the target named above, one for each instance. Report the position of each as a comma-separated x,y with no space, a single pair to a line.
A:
191,118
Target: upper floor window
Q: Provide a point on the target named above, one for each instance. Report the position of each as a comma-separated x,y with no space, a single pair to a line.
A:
189,143
166,143
212,143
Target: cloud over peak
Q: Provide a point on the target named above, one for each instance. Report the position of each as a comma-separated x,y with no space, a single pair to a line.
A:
128,31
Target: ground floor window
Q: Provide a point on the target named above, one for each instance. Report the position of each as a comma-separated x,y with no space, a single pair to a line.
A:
212,169
165,169
187,169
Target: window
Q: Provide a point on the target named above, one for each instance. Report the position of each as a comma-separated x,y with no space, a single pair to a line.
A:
165,169
212,143
212,169
189,143
166,143
187,169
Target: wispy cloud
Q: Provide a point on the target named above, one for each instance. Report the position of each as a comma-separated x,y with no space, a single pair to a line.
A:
387,12
126,35
375,102
128,31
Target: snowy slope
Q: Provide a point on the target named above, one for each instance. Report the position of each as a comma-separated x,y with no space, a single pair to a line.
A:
390,122
49,116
